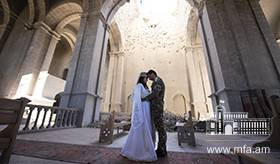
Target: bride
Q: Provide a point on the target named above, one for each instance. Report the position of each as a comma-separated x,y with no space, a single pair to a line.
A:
139,145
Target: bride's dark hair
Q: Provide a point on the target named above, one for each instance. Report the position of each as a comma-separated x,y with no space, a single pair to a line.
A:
141,80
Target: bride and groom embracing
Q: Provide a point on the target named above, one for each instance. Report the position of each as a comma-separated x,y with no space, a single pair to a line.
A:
147,115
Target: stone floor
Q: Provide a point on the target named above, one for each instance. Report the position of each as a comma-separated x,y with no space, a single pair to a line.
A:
18,159
95,154
89,136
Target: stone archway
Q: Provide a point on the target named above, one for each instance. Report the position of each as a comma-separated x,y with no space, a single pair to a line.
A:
108,10
142,47
112,70
225,55
198,71
64,18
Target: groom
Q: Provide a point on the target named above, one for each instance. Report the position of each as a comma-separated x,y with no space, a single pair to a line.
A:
156,99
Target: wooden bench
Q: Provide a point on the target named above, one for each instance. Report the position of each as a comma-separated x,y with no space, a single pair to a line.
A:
186,132
11,112
107,134
273,141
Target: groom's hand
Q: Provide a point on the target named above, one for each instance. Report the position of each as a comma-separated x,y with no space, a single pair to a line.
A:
144,99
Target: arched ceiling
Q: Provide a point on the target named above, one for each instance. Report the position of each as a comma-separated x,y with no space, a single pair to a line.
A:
5,12
115,37
8,6
64,17
75,24
58,10
61,11
271,10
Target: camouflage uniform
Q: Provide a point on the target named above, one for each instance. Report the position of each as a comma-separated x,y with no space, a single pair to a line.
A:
156,99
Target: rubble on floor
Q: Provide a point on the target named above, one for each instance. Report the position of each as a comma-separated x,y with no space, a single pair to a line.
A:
169,118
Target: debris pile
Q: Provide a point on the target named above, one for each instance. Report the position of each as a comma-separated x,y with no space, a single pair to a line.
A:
170,120
200,126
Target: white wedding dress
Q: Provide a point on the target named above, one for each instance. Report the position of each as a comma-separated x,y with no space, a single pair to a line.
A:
139,145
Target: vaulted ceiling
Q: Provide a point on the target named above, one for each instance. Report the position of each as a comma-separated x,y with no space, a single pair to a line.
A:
59,9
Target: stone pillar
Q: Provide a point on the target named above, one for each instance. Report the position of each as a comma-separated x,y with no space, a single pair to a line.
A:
102,78
49,55
114,88
21,59
82,86
118,78
196,83
32,62
11,58
240,49
41,81
108,92
191,79
207,104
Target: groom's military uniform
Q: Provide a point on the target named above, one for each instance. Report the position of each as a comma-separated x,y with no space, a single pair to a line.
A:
157,102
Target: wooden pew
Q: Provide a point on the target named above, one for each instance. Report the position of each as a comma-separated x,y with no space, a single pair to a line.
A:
273,141
107,134
107,130
11,112
186,132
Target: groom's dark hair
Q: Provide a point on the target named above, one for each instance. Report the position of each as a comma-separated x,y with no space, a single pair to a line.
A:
152,71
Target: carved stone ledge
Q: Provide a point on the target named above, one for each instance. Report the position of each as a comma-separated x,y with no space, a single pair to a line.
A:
47,29
118,53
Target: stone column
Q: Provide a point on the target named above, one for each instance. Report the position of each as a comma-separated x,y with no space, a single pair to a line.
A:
205,85
196,85
43,74
49,55
30,67
101,79
109,87
114,89
191,79
12,56
82,84
116,103
240,49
